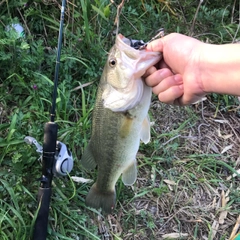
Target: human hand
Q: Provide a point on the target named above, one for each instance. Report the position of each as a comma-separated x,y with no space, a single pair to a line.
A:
176,79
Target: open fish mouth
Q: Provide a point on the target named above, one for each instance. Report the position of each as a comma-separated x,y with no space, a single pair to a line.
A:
140,44
124,87
136,44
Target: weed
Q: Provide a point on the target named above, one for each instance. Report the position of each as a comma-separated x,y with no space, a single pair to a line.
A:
181,171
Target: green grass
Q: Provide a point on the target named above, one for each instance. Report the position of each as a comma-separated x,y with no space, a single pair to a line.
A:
180,172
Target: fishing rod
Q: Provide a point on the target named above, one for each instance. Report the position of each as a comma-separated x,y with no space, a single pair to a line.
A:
55,158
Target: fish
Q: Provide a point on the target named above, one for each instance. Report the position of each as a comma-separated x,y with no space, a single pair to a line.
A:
120,121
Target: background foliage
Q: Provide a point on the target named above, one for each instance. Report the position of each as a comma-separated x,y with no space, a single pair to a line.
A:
27,66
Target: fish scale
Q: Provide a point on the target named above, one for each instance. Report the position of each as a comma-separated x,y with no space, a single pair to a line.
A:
120,121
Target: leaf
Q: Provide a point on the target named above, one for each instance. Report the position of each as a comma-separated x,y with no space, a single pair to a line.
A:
235,230
76,59
107,11
228,167
237,162
102,14
200,100
224,136
24,46
220,121
215,226
170,182
12,142
81,180
234,175
175,235
12,127
224,212
82,86
227,148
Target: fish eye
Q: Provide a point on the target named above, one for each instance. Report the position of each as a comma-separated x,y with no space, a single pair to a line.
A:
112,62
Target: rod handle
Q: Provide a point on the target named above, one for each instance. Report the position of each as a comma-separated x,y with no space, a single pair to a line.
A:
41,223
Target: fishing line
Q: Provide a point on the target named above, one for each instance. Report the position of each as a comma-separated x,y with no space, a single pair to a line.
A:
59,47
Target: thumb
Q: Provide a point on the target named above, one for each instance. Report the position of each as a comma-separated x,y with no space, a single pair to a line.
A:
161,43
155,46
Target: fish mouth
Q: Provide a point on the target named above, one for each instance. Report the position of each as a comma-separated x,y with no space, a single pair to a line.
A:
127,92
136,44
140,59
127,41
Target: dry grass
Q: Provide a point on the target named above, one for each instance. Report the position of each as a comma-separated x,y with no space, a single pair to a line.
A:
184,188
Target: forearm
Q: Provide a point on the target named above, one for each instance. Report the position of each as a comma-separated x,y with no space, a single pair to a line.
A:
220,68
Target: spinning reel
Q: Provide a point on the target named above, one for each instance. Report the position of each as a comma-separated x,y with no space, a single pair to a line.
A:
63,160
56,159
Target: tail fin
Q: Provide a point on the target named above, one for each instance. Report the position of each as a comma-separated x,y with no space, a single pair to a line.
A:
97,199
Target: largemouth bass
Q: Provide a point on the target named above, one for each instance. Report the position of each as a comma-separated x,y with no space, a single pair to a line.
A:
120,121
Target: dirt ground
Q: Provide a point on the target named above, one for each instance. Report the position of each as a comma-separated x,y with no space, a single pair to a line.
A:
189,191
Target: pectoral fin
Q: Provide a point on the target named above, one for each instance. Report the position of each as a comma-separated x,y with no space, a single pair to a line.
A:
129,176
145,131
87,159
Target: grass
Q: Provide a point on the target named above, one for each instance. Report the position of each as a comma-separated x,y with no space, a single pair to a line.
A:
183,173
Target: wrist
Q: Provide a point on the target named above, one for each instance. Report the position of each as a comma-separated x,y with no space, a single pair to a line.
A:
220,68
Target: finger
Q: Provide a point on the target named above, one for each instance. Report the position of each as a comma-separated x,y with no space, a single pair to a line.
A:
155,46
158,45
161,64
149,71
158,76
168,82
172,95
